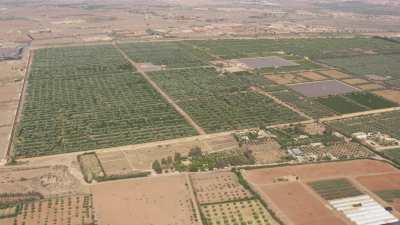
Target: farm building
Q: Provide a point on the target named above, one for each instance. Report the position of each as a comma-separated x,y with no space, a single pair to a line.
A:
11,53
363,210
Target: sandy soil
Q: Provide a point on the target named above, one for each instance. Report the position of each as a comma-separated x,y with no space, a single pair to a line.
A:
311,172
355,81
5,134
299,205
286,78
314,128
386,182
48,180
161,200
392,95
381,182
269,152
335,74
369,87
313,76
141,158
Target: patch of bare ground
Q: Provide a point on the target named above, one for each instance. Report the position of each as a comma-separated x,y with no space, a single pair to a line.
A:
299,205
313,76
146,201
391,95
387,184
370,87
268,152
47,180
335,74
309,172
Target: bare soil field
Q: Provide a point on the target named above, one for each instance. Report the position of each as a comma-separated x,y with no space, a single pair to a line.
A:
370,87
391,95
218,187
314,128
70,209
323,88
90,166
265,62
299,204
47,180
381,184
10,92
335,74
115,163
355,81
221,143
286,78
311,172
5,134
7,109
141,158
313,76
269,152
147,201
285,189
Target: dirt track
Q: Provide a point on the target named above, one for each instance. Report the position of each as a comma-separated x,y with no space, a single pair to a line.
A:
163,94
277,100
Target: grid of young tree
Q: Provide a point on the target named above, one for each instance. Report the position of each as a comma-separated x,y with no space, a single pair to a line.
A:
82,98
220,102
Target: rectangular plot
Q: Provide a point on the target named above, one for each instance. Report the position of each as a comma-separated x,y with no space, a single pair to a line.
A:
265,62
240,212
323,88
237,111
341,104
370,100
222,102
84,110
307,105
335,189
169,54
387,123
386,65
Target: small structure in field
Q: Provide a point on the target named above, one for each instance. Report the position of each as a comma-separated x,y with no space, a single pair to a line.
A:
11,53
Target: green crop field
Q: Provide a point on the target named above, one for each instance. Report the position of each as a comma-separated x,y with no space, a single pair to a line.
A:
394,82
94,106
222,102
370,100
389,195
386,65
79,61
341,104
312,48
393,154
307,105
334,189
171,54
387,123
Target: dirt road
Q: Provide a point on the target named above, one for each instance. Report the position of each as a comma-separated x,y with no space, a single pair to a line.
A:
163,94
277,100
